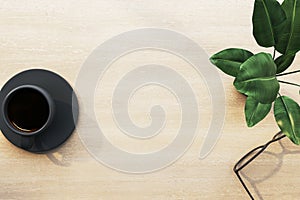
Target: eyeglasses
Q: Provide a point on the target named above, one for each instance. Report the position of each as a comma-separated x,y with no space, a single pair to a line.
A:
250,156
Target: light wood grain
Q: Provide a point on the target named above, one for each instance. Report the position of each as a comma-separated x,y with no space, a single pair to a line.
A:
60,34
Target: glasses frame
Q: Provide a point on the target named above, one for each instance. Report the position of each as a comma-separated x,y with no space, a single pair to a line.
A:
240,165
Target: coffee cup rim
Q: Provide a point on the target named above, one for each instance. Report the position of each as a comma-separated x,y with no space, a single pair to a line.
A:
45,94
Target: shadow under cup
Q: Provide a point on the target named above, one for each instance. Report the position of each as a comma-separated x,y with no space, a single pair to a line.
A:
28,110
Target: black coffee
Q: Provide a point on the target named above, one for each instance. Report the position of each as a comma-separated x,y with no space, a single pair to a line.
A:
27,110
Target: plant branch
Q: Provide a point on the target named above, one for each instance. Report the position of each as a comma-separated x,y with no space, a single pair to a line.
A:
274,53
297,71
289,83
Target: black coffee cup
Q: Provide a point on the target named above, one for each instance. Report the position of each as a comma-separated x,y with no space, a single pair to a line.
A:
28,110
38,110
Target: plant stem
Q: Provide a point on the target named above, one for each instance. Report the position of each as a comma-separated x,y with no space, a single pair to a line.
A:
294,84
288,73
274,53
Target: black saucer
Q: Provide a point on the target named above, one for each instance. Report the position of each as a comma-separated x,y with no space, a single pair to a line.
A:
65,117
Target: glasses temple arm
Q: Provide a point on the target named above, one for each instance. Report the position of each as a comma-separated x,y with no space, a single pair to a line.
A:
237,167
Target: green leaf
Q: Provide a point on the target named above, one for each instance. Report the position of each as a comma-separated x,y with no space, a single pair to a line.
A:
267,17
257,78
289,35
287,115
255,111
283,62
230,60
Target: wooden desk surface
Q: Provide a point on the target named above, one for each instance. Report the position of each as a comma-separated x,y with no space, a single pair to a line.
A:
59,35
